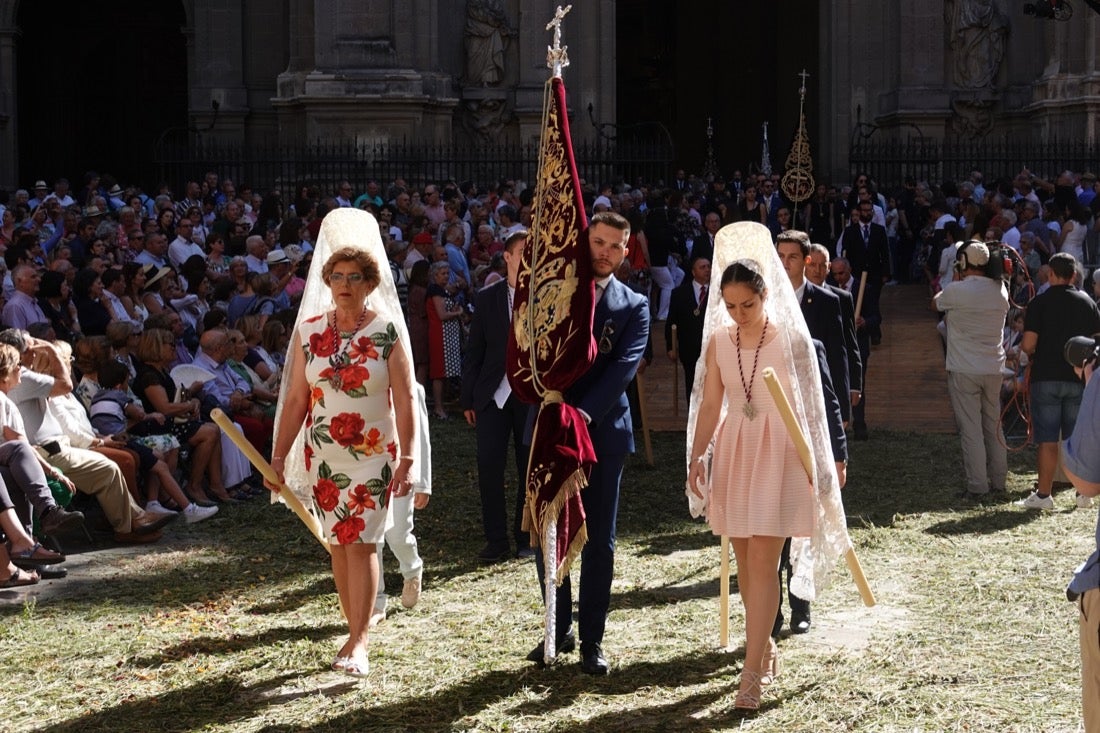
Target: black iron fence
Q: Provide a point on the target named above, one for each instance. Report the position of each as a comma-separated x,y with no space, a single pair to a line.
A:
890,162
324,164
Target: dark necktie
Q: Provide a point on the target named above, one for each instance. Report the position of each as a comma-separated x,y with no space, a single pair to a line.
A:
866,233
703,297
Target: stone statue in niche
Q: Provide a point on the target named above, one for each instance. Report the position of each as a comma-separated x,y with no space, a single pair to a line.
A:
487,29
978,30
485,119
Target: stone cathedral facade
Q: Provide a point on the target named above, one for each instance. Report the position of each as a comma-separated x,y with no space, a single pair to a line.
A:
473,70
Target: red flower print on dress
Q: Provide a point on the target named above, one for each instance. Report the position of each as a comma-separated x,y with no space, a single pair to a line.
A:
347,429
315,318
347,529
353,377
360,499
309,456
316,396
327,494
392,448
323,344
372,443
362,349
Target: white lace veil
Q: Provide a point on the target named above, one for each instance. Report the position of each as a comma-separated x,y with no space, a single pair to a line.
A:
347,227
812,558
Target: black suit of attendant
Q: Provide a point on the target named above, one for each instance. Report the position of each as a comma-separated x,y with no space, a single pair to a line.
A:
872,258
685,313
855,361
800,609
822,310
703,246
482,372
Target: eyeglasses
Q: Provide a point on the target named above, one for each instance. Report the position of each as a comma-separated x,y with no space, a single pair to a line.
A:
605,337
353,278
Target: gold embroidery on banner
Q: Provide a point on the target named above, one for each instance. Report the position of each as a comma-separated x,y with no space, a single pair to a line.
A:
552,278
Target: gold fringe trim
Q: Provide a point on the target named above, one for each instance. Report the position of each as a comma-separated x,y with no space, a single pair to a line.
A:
571,486
571,555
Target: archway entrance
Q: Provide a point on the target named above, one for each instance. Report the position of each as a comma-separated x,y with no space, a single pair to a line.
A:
97,87
737,63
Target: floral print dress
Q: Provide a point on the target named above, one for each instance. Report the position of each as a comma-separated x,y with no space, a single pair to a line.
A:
351,436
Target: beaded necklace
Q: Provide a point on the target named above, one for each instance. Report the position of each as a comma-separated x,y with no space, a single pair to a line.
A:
748,409
340,358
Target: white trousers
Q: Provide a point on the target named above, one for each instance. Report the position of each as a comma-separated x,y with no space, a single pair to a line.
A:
402,543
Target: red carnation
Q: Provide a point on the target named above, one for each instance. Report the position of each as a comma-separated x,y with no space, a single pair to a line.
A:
347,529
327,494
322,344
353,377
347,429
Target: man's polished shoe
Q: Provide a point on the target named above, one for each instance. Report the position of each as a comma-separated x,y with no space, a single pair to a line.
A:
525,552
494,553
800,624
133,538
592,659
564,645
147,523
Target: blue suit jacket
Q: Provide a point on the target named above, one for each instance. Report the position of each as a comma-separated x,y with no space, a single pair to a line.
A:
621,322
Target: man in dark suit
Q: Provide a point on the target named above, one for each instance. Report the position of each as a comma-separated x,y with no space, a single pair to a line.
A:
687,310
621,329
840,276
821,309
865,247
489,405
703,245
817,272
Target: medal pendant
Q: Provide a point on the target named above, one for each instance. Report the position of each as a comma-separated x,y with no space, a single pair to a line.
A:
749,410
695,312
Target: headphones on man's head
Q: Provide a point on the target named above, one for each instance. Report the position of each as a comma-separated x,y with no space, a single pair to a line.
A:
962,257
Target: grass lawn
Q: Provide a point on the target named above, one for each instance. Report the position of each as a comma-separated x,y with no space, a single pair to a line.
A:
229,625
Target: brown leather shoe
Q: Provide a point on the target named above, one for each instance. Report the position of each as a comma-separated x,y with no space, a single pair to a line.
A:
133,538
147,522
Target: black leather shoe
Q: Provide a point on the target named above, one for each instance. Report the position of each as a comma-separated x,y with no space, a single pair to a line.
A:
777,627
564,645
592,659
800,624
495,553
525,552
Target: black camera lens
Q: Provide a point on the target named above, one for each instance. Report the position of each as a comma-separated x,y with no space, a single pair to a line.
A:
1080,350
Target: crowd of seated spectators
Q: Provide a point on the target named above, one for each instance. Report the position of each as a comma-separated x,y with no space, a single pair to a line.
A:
134,285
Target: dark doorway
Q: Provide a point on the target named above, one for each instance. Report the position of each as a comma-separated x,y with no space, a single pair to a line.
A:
97,87
736,63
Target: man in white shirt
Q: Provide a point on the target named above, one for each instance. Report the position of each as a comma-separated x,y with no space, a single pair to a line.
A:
182,247
257,254
156,245
975,308
22,309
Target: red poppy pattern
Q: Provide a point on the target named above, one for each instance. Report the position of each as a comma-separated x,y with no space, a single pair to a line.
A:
351,440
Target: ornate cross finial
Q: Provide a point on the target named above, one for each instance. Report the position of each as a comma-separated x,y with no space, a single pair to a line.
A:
556,56
802,89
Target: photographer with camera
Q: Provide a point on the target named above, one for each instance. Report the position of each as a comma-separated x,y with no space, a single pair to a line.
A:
974,307
1054,317
1082,464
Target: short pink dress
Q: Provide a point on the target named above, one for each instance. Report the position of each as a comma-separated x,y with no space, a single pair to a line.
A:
758,485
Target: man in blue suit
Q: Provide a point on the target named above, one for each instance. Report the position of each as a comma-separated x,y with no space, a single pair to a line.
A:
621,329
498,416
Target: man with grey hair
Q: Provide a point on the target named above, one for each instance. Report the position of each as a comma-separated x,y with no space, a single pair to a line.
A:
257,254
21,310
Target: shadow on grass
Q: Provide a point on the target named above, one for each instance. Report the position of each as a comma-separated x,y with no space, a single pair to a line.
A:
239,643
669,594
697,537
559,687
218,702
983,523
